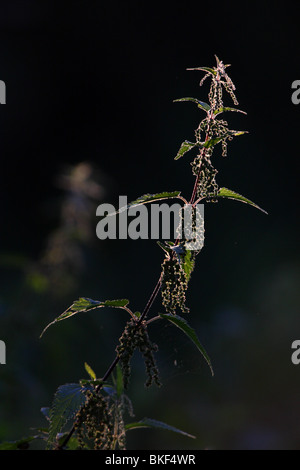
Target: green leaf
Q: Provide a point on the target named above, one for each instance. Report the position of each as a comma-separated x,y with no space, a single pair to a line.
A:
184,148
236,133
92,382
84,304
222,110
152,423
227,193
147,198
211,142
188,263
186,259
205,69
199,103
67,401
190,332
90,371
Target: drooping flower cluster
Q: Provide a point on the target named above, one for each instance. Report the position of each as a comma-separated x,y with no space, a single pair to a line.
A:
95,422
136,337
174,285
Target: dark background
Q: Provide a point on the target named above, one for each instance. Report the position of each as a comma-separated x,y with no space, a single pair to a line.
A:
94,82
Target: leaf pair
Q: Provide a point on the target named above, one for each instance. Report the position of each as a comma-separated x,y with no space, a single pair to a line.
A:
186,146
222,193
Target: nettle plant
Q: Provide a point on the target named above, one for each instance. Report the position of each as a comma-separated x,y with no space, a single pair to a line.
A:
92,414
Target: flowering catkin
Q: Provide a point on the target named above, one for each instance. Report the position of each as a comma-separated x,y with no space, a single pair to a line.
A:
136,337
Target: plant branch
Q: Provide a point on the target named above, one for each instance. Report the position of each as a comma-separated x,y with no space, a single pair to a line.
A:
193,200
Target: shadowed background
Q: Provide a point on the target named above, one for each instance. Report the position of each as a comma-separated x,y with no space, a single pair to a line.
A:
90,116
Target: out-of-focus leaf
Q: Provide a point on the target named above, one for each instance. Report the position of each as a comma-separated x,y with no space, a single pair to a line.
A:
21,444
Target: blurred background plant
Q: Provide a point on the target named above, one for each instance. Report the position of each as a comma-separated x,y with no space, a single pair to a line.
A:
43,284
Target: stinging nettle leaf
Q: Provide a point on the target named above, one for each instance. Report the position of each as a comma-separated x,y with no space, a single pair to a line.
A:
215,140
236,133
211,142
222,110
84,304
186,259
200,104
184,148
188,263
153,423
148,198
227,193
67,401
204,69
190,332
